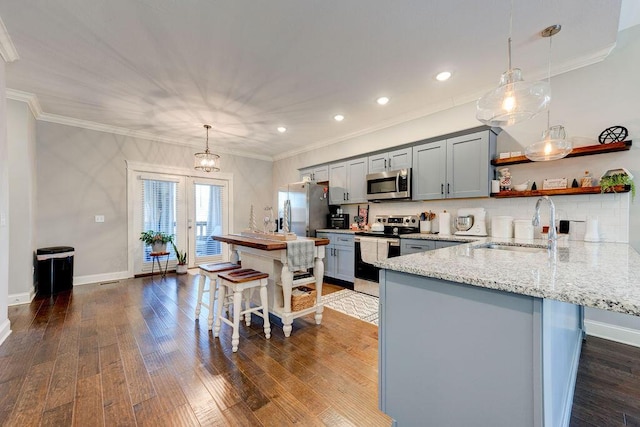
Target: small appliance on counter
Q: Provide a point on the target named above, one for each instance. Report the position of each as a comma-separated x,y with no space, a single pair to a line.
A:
471,222
338,221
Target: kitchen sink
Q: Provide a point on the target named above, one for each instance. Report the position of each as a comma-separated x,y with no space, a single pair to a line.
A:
529,249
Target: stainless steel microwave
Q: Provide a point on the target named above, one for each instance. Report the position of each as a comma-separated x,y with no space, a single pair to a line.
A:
389,185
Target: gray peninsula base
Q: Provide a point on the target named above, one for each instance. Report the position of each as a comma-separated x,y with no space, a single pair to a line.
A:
458,355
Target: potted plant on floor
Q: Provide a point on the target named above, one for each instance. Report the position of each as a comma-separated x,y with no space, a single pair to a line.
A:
157,240
181,267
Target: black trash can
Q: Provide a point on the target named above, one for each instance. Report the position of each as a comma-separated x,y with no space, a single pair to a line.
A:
55,269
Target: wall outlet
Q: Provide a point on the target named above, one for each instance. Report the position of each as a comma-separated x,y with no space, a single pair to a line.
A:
99,218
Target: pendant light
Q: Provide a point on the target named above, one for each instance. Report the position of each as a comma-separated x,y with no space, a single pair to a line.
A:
554,144
207,161
514,100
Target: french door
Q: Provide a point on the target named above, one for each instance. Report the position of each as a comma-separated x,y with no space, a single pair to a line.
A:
190,208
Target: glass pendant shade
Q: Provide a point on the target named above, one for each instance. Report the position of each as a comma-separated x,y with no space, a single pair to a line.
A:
553,146
207,161
513,101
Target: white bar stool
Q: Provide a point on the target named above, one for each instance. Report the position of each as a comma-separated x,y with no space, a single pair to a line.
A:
211,271
237,282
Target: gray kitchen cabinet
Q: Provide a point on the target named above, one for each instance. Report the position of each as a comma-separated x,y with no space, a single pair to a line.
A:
454,168
347,182
339,261
412,246
391,160
316,173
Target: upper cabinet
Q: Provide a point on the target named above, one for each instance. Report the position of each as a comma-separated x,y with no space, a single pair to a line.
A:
347,182
391,160
454,168
316,173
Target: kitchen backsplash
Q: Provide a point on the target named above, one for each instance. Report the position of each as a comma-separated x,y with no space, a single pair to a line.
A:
612,210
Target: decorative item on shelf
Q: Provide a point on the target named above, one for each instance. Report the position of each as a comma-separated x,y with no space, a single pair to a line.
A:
554,144
514,100
269,222
587,180
207,161
575,184
534,187
505,179
181,256
521,187
613,134
554,183
614,177
156,239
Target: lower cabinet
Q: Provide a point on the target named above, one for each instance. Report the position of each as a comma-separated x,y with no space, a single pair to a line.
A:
412,246
339,260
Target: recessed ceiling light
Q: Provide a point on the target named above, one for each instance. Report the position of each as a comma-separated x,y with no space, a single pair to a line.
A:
443,76
383,100
282,129
338,117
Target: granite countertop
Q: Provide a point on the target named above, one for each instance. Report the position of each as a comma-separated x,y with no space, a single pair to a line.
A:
599,275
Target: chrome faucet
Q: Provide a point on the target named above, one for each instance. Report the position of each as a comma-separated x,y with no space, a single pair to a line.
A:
553,236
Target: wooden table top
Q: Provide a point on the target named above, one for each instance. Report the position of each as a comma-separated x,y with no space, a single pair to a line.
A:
264,244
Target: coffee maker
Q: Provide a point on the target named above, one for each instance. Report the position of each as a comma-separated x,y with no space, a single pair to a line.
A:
471,222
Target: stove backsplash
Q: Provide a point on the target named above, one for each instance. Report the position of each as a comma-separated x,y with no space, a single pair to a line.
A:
612,210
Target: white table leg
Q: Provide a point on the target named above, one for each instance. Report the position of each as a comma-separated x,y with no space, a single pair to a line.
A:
318,271
287,282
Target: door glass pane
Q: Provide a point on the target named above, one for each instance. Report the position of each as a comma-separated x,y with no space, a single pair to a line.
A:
158,211
208,217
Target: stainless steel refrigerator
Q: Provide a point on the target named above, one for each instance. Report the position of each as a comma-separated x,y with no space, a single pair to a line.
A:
309,207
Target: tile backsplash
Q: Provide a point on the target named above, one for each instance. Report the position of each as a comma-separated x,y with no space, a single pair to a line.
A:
611,210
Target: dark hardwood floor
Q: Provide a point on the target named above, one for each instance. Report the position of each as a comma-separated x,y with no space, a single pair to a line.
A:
608,385
131,353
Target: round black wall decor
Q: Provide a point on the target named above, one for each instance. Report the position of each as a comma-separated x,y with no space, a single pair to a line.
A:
613,134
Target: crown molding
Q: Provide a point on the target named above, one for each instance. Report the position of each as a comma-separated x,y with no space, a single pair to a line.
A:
34,105
7,48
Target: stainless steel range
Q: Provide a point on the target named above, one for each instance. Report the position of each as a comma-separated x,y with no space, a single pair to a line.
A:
378,245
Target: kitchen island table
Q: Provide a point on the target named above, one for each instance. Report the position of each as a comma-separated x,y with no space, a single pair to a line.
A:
270,256
490,332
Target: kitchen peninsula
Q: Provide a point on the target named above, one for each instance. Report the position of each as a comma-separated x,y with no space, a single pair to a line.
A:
270,256
490,332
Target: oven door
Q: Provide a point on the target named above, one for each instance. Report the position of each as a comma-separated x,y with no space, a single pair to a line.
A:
370,272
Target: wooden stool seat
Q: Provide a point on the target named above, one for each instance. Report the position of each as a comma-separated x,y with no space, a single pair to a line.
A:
237,281
211,271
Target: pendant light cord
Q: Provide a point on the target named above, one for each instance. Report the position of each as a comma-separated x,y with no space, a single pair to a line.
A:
549,82
510,34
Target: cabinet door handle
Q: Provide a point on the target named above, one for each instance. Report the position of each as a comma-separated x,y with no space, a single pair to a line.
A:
347,196
441,188
448,188
344,196
416,247
389,163
385,163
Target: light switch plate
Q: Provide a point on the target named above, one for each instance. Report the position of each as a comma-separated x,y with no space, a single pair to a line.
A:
99,218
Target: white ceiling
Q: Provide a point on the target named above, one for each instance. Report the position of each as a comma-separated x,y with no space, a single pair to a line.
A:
165,67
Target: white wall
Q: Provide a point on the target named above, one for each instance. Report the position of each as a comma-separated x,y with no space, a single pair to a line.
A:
585,101
82,173
22,200
5,325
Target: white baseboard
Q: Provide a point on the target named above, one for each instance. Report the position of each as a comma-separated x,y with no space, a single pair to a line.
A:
99,278
613,332
5,330
21,298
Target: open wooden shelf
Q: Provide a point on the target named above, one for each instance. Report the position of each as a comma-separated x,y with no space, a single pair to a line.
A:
558,192
576,152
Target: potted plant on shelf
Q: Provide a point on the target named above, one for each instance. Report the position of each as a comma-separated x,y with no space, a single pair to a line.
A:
181,267
156,239
615,177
